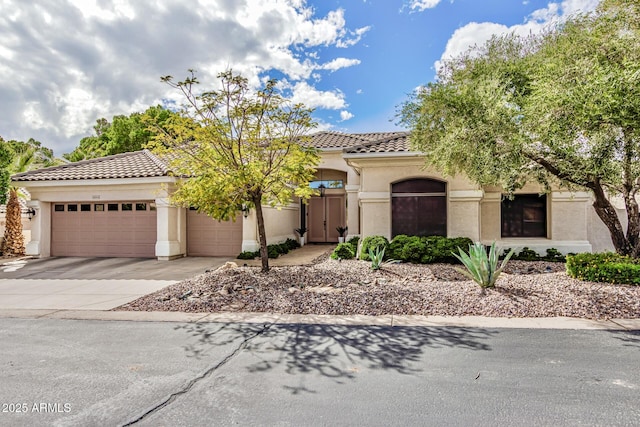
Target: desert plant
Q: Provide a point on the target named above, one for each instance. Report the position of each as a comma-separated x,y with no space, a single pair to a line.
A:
372,242
377,258
301,231
341,231
343,251
482,268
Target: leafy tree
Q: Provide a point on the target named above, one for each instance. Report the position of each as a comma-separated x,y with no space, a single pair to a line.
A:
241,148
123,134
562,107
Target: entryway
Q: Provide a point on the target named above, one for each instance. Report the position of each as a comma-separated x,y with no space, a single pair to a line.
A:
324,215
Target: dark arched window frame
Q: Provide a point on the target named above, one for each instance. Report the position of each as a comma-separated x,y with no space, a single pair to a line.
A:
419,207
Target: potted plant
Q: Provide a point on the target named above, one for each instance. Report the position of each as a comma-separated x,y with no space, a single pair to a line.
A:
301,232
341,231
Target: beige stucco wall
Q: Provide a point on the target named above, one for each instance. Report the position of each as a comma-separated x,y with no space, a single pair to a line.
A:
279,225
378,173
471,211
171,220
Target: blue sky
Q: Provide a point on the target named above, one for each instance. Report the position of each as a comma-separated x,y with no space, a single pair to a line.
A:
67,63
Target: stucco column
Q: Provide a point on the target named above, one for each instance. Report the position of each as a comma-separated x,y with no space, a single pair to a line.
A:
490,213
40,244
463,215
170,224
376,213
353,211
250,232
568,215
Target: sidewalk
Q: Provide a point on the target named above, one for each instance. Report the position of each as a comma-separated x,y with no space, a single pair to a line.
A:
358,320
300,256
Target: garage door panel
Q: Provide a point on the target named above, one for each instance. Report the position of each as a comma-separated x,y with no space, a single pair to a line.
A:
208,237
103,233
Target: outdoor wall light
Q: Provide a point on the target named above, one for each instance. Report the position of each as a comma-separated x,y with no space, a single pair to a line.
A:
321,187
31,213
245,210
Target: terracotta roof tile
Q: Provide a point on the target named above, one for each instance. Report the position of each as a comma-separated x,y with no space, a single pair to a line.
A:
138,164
398,142
328,139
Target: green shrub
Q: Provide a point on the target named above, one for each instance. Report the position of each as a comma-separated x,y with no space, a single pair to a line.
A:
427,250
554,255
343,251
608,267
272,251
249,255
482,268
354,243
372,242
527,254
292,244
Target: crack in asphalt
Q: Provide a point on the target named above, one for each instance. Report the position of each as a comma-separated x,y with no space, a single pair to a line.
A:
172,397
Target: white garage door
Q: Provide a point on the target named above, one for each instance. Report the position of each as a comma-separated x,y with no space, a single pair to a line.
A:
105,229
208,237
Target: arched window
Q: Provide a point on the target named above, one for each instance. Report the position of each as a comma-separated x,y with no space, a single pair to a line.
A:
419,207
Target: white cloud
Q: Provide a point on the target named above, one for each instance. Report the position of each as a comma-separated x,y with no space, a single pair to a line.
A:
422,5
477,33
79,60
345,115
314,98
339,63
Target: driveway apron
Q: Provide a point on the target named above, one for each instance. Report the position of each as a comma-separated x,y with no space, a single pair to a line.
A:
90,283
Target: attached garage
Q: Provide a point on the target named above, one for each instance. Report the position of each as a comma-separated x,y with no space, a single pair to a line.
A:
105,229
208,237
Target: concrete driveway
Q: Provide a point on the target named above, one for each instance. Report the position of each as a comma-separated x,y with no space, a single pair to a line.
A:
72,283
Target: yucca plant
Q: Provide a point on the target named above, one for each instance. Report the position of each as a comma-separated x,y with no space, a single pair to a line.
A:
482,268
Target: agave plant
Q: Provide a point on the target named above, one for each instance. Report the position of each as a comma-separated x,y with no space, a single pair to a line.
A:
482,268
377,258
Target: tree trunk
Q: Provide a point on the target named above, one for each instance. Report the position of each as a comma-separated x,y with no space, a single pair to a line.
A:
633,224
13,242
262,235
609,217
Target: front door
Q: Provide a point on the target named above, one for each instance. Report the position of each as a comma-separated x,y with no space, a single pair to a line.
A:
324,215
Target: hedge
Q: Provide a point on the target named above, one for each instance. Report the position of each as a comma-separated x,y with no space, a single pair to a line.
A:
427,250
608,267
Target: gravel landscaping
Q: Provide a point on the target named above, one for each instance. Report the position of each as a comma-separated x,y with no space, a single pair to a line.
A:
525,289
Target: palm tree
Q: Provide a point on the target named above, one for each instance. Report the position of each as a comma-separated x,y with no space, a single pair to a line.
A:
24,156
13,241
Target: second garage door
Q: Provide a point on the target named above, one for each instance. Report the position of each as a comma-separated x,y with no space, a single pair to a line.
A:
208,237
109,229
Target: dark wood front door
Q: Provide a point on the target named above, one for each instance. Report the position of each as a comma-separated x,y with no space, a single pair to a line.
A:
324,215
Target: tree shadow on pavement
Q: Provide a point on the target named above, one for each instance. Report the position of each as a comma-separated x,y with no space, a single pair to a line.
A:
629,338
333,351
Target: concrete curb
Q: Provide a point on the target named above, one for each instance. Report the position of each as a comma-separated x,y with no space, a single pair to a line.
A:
357,320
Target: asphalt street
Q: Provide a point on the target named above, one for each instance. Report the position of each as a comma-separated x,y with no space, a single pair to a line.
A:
104,373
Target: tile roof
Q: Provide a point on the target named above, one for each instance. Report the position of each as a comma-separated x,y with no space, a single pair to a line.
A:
338,140
137,164
397,142
144,164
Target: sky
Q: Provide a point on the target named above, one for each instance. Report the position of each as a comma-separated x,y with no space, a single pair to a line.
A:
67,63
